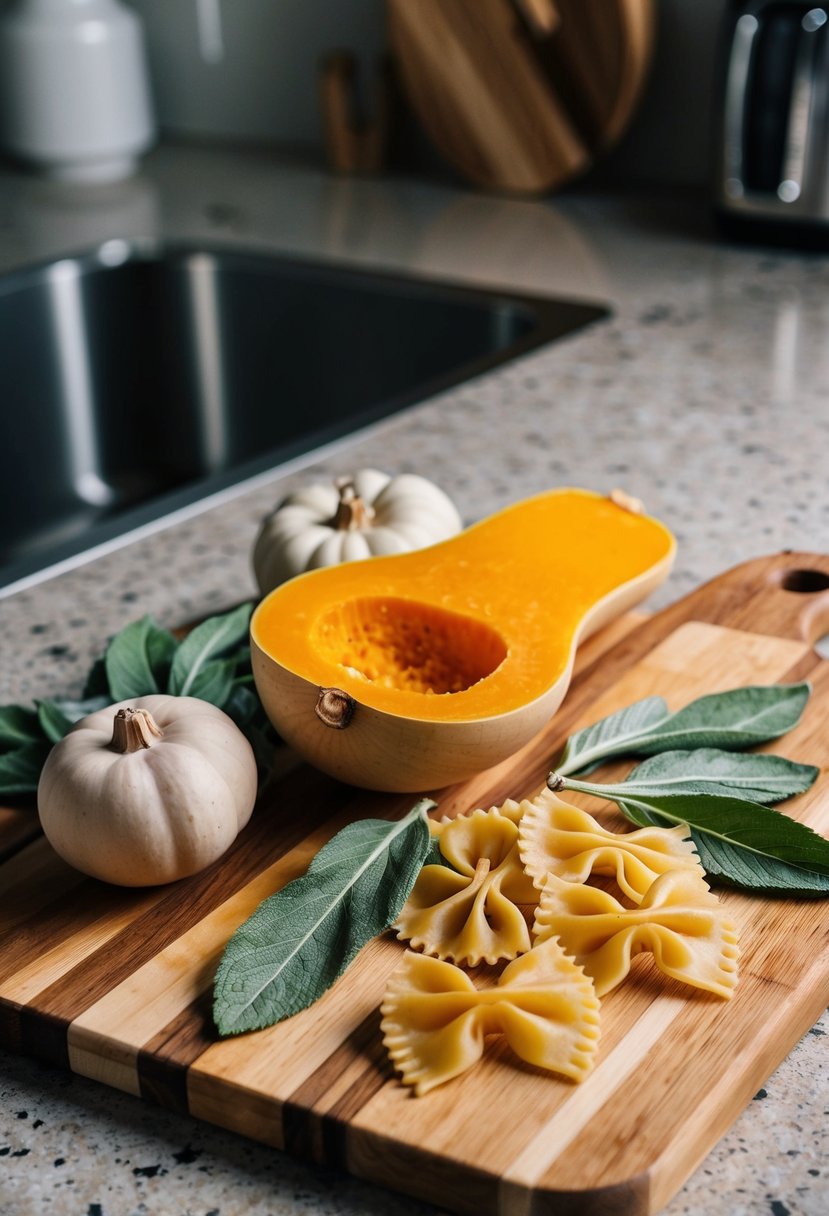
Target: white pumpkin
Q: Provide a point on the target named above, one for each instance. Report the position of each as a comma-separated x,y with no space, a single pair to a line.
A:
147,791
366,515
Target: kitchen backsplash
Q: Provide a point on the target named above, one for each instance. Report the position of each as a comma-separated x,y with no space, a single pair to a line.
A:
247,70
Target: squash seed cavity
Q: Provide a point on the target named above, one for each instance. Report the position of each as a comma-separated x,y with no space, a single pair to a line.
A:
410,646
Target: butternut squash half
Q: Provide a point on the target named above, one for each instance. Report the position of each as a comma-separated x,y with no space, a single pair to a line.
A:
410,672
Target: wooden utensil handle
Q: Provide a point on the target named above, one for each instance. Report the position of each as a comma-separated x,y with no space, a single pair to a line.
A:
353,145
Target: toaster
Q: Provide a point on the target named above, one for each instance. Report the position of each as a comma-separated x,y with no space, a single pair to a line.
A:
772,146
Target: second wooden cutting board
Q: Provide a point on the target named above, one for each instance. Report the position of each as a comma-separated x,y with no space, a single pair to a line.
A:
522,95
116,984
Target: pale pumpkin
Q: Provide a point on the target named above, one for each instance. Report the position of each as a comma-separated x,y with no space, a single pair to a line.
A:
355,517
147,791
436,664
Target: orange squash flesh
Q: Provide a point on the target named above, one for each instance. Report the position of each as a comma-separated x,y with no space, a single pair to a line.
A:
439,663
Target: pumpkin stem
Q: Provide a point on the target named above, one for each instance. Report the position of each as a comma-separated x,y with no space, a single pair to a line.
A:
133,729
352,511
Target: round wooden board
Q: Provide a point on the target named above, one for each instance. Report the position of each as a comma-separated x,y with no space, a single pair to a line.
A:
522,95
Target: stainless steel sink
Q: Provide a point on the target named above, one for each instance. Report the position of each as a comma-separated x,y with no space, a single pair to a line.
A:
136,382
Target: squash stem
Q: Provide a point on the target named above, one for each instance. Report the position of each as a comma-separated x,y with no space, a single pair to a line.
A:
133,729
335,708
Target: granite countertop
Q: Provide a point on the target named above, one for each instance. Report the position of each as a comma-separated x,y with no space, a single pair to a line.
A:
704,394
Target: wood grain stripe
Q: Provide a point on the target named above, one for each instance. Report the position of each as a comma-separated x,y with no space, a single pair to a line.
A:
308,800
141,1007
31,881
660,1117
316,1116
584,1104
163,1061
53,949
290,1053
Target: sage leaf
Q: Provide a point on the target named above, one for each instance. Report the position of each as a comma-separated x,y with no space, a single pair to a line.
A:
434,857
97,683
18,725
735,866
161,647
56,718
732,720
210,640
300,940
245,708
242,704
756,776
263,739
611,736
747,844
214,682
73,711
53,721
136,658
213,663
20,768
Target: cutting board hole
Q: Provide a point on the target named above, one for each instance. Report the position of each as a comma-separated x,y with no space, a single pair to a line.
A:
822,646
805,582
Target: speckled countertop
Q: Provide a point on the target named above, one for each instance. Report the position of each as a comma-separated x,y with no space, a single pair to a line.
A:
706,394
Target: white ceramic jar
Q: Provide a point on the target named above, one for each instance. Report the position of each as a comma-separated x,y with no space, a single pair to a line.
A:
74,95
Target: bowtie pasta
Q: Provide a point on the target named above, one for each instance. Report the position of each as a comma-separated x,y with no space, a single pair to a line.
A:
558,838
435,1021
545,854
472,912
679,921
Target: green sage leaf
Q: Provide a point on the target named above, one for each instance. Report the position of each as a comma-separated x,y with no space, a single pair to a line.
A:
18,725
73,711
756,776
213,682
245,708
732,721
611,736
210,640
242,705
56,718
53,721
97,683
735,866
748,844
300,940
137,658
263,739
20,769
435,857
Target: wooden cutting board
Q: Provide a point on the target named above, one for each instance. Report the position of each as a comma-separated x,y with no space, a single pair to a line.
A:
116,984
522,95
